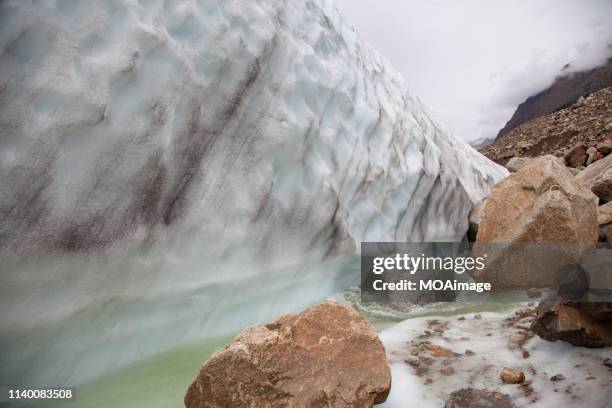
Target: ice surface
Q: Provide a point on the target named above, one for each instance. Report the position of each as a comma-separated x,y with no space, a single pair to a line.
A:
191,145
494,341
252,120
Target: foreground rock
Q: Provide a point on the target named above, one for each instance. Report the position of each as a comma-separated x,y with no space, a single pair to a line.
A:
587,324
598,178
326,356
473,398
534,223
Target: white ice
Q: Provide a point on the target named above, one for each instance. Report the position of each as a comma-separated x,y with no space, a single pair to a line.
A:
159,153
588,382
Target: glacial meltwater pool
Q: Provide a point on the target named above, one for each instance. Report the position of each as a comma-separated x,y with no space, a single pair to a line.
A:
160,381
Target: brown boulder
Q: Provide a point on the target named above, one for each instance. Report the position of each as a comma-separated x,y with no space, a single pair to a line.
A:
325,356
576,156
535,222
474,398
598,178
585,324
511,376
597,312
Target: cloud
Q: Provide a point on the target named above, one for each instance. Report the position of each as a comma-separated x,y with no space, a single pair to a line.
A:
473,61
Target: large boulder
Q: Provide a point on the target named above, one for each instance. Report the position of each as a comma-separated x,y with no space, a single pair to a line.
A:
326,356
598,178
536,221
583,324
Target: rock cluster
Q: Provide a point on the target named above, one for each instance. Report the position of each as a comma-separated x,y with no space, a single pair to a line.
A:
325,356
581,134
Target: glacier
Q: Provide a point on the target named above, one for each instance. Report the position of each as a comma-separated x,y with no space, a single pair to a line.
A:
165,165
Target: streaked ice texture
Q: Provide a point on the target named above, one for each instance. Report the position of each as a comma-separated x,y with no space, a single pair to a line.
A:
156,154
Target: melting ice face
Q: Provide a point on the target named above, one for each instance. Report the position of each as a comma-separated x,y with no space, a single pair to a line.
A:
188,144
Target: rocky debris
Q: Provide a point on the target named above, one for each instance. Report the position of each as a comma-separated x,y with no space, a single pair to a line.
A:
448,371
413,362
583,324
517,163
576,156
475,398
511,376
598,178
539,205
519,324
588,124
327,355
435,350
534,293
568,89
558,377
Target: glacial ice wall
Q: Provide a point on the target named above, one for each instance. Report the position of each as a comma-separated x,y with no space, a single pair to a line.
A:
181,169
257,121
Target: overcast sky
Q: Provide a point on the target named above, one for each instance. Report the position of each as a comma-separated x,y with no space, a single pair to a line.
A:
473,61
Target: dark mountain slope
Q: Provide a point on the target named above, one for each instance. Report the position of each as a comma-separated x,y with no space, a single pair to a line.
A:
565,91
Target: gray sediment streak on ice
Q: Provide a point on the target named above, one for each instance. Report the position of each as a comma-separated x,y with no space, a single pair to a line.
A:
218,141
121,119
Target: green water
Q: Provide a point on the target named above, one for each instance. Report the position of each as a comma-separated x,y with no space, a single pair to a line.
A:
156,382
161,380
